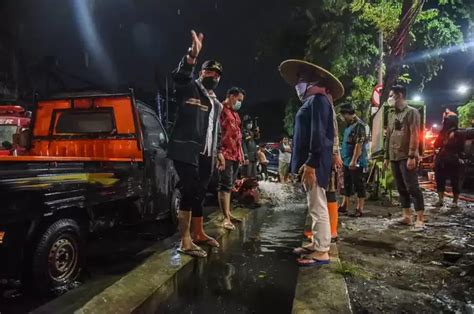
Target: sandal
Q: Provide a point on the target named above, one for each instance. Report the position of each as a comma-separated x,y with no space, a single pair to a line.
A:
307,261
439,204
302,250
209,241
403,222
235,219
194,252
358,213
229,226
342,209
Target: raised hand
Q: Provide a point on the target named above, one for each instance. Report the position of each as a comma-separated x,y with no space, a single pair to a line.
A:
197,44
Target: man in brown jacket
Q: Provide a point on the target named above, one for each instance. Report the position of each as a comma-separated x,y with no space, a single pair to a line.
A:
401,151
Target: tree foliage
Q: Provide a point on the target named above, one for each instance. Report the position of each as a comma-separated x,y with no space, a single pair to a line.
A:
342,35
466,114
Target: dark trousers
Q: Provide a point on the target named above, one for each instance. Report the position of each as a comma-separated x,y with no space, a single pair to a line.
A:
264,171
407,185
451,171
354,180
250,170
193,182
228,176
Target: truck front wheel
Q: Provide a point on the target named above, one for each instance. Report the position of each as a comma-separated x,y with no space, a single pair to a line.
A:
57,257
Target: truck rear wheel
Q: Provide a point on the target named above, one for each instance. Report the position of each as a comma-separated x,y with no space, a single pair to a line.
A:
57,256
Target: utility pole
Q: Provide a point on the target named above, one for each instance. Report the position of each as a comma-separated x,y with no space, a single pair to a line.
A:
380,69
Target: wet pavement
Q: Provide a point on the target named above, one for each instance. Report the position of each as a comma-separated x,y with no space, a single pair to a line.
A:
253,271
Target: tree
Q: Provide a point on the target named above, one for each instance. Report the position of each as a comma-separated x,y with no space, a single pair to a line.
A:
466,114
342,36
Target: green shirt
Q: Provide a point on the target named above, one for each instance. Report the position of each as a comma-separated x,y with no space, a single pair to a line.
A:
403,134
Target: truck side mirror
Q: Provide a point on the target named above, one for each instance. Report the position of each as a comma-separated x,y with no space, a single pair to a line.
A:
25,139
28,114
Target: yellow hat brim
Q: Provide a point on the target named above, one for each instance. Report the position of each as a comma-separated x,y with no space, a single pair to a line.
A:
293,70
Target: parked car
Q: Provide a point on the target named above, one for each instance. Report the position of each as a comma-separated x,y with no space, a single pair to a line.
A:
93,162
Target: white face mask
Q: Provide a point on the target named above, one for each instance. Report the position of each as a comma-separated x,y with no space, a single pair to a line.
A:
391,101
301,89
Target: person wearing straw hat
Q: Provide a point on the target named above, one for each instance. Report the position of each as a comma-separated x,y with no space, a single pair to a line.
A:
313,141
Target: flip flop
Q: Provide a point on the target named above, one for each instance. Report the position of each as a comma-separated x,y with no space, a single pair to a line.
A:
403,223
235,219
342,209
229,226
358,213
194,252
302,250
312,261
418,228
209,241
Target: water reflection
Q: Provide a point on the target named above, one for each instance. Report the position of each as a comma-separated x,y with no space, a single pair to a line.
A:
253,271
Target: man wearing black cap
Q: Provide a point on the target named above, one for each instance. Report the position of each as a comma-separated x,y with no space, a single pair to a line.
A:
194,143
355,158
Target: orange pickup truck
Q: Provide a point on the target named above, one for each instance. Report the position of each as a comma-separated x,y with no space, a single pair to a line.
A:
93,162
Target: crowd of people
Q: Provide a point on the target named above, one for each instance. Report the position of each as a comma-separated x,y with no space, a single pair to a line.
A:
209,134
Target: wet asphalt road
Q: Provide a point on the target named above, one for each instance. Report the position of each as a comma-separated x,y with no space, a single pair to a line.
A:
253,271
109,256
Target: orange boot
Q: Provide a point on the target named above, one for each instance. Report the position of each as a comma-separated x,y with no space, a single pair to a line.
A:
333,214
198,234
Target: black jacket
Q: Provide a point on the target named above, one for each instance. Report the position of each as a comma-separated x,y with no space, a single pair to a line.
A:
188,136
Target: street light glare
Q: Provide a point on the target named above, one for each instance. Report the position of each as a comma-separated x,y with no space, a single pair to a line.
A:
417,98
463,89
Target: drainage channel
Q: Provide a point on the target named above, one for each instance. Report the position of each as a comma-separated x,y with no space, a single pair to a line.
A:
252,272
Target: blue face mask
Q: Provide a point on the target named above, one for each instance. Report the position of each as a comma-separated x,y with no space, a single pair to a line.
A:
237,106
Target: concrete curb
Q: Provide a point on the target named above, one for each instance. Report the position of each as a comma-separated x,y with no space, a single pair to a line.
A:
145,287
321,289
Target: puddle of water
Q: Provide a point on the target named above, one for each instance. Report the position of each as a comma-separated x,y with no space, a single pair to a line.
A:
253,272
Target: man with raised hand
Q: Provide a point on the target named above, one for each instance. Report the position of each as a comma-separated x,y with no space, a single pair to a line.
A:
194,143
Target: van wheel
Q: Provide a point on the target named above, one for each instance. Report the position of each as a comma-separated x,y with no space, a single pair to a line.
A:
174,208
57,257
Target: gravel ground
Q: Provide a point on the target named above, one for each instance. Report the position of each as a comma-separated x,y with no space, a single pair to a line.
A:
392,269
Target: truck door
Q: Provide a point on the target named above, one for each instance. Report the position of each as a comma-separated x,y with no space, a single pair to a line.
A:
157,166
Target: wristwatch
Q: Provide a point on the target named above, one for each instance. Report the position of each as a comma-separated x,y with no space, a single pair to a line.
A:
189,53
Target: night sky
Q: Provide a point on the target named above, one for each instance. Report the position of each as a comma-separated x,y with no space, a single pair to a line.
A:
137,43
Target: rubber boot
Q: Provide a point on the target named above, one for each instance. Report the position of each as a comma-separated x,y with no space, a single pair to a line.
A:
333,213
198,234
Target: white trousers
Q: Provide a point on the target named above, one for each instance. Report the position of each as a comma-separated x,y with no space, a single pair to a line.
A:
318,210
